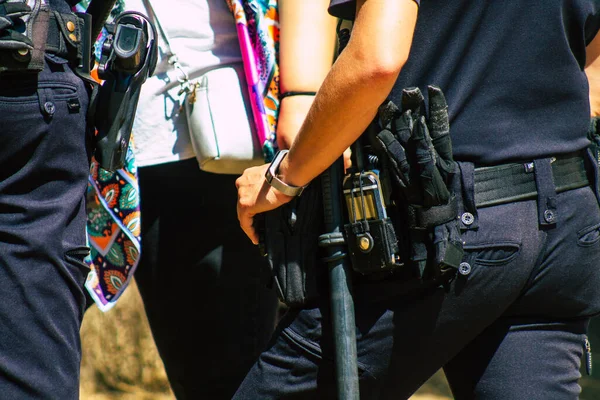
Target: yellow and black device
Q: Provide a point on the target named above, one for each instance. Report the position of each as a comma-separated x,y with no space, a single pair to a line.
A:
364,199
369,232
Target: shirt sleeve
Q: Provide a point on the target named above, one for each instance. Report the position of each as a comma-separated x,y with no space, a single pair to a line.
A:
346,9
592,24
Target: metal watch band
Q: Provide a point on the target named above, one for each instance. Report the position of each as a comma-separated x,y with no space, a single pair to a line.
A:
274,181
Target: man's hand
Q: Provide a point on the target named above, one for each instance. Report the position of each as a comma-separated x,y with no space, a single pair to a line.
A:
10,20
256,196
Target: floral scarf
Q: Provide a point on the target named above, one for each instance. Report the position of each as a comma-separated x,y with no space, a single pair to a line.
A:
113,217
257,24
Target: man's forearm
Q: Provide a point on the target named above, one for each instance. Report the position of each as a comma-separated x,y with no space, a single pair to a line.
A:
357,84
306,46
306,53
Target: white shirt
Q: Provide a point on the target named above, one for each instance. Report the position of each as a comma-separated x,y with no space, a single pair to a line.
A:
202,33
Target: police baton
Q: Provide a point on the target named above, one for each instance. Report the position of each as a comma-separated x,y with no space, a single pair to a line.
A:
340,278
340,282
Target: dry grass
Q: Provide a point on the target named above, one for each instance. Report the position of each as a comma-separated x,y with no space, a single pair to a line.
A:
120,360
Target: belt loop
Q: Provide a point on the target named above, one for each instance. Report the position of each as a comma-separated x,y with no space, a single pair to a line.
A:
593,160
466,204
544,181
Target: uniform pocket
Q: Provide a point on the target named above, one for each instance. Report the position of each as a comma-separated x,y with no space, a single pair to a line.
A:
588,236
77,255
27,93
493,254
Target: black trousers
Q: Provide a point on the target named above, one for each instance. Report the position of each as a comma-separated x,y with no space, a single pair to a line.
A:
203,283
512,326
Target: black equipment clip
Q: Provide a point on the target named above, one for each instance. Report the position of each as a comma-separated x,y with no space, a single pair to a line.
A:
128,58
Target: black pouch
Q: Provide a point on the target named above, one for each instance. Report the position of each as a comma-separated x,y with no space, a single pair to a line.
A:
373,246
369,234
289,241
35,27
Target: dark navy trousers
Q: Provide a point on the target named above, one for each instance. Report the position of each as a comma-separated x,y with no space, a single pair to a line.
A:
513,327
44,164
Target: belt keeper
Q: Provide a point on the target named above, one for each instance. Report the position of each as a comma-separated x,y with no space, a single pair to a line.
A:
544,181
467,192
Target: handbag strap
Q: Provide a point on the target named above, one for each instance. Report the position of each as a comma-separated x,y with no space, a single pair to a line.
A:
161,31
172,58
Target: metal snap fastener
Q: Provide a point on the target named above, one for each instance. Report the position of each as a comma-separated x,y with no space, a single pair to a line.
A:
73,37
467,218
365,242
21,55
70,26
549,216
464,268
49,107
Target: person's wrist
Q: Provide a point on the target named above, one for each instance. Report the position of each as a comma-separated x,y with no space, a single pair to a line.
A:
282,172
277,175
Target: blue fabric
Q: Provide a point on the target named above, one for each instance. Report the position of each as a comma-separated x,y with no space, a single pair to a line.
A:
63,5
346,9
512,73
44,162
515,325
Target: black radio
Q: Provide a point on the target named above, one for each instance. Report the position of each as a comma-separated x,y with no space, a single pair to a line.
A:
370,235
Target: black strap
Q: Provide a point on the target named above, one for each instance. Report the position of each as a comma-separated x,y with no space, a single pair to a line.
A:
425,218
66,35
295,93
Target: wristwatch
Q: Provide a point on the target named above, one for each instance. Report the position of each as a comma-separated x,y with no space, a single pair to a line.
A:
274,181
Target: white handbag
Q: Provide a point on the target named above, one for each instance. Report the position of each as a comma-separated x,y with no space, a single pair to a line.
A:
220,121
219,118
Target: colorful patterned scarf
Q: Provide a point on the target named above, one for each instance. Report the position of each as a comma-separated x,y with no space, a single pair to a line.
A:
258,32
113,210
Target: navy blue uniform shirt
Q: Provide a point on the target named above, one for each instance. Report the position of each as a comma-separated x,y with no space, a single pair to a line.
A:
63,5
512,72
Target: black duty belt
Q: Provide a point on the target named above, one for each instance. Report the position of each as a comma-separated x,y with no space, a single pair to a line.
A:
506,183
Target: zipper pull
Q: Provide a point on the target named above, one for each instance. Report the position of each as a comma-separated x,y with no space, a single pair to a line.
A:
588,356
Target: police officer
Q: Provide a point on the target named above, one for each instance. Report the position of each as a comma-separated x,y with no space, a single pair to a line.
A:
512,323
44,164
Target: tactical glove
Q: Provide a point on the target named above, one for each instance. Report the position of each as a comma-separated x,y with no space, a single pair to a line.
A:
418,151
12,25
